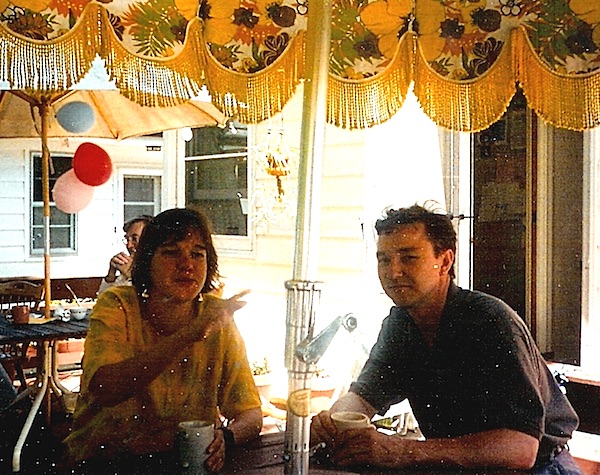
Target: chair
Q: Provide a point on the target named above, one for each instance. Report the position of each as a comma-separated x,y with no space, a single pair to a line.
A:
18,292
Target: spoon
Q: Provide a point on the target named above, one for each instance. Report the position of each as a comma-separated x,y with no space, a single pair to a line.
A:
73,294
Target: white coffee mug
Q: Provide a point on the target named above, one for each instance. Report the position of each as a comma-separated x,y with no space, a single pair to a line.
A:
78,313
192,440
350,420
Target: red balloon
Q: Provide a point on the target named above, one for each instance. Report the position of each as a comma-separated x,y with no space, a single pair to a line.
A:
91,164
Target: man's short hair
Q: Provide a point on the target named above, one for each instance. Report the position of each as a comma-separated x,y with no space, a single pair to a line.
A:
438,226
144,218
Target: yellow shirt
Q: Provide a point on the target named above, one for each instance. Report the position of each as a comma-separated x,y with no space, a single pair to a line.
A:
211,374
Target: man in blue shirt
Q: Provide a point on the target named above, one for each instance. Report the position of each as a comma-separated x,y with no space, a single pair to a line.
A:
477,384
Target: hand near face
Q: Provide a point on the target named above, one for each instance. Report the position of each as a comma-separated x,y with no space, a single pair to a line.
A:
122,262
216,313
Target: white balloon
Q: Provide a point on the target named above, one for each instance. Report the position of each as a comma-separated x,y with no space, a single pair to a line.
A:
71,195
77,117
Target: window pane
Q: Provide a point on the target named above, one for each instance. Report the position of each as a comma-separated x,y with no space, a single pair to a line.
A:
38,216
217,140
139,189
59,165
60,238
216,182
141,196
216,185
58,217
133,211
62,225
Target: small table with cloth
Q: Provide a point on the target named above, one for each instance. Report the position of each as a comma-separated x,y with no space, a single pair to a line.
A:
482,372
213,373
46,335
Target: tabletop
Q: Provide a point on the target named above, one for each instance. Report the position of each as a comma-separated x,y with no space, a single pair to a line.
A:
49,331
265,456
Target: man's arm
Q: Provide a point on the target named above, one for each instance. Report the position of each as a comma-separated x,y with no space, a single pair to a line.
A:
496,448
501,448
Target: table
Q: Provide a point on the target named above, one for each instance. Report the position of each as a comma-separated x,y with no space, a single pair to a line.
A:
265,456
46,335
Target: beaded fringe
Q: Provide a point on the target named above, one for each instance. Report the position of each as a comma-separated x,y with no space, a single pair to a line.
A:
465,106
567,101
49,68
367,102
55,65
253,98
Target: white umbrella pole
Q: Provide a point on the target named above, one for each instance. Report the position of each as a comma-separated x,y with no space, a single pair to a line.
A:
44,110
303,292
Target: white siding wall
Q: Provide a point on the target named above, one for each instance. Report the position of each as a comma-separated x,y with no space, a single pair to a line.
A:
99,224
363,171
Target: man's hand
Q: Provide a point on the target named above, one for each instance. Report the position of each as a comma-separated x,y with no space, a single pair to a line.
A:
364,447
122,263
348,447
119,262
322,429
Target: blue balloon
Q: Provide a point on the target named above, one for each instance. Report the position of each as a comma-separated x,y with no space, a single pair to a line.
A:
77,117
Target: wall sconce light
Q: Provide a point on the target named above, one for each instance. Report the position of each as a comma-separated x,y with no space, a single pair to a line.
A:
187,134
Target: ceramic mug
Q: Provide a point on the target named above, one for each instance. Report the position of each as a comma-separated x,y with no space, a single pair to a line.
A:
192,440
20,314
350,420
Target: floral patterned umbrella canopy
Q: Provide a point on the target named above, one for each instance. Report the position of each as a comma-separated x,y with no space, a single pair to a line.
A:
465,57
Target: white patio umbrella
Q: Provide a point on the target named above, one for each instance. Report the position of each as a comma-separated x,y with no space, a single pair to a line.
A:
116,116
33,114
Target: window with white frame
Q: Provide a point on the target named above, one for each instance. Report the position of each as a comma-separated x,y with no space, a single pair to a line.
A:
216,180
63,226
141,195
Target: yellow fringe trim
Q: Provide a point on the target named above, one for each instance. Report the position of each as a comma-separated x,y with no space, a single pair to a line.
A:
360,104
566,101
159,82
253,98
49,68
466,106
54,65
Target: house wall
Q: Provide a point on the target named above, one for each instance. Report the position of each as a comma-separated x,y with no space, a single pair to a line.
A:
341,250
394,164
99,224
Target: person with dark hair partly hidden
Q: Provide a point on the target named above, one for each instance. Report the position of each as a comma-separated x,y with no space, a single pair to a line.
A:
478,386
119,267
163,351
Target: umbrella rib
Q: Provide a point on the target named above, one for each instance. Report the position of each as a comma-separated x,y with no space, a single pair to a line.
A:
36,97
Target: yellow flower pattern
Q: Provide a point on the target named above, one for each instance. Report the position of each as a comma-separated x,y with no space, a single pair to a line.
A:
460,39
386,18
33,5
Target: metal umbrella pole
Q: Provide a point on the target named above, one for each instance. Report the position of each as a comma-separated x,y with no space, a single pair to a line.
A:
303,292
